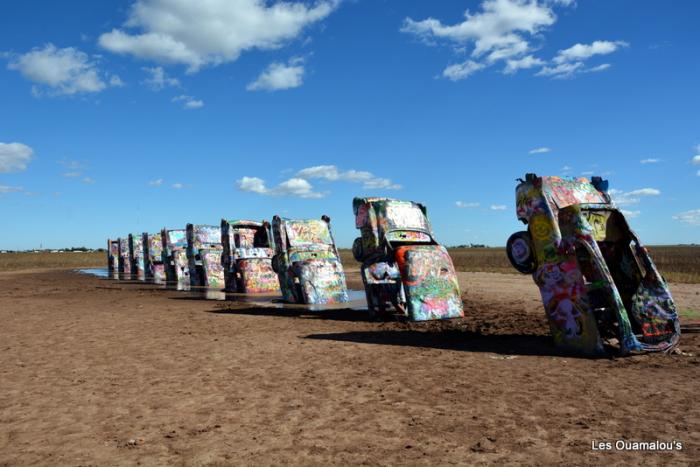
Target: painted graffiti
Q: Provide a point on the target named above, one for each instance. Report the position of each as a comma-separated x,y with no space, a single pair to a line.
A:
402,264
597,282
307,262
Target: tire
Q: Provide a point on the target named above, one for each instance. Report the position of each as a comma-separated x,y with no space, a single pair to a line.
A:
357,250
520,253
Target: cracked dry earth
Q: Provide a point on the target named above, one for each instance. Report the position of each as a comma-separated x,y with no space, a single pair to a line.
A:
99,372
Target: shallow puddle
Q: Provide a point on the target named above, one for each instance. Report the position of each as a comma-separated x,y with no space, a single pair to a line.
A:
357,297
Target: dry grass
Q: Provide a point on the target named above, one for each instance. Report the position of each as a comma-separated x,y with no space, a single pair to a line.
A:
676,263
19,261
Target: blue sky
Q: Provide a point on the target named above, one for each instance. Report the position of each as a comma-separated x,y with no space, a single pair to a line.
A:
127,116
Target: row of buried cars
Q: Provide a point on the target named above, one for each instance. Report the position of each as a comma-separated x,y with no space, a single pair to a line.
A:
600,289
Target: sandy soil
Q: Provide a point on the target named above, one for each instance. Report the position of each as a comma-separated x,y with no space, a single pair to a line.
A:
98,372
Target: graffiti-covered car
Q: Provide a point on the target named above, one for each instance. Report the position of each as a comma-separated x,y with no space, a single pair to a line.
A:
307,263
113,258
403,265
597,281
204,251
138,265
177,268
125,269
247,257
153,256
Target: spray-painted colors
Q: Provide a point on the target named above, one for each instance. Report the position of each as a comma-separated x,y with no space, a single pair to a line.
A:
175,256
136,252
402,263
307,262
125,269
113,258
247,257
153,257
596,279
209,272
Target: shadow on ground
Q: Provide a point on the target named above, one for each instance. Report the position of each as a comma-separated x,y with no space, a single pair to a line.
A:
458,340
292,311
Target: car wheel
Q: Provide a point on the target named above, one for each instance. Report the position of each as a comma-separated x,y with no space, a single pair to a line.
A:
520,253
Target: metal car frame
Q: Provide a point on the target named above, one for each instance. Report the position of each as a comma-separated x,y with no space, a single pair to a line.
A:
177,269
153,257
307,262
403,265
597,281
247,257
204,250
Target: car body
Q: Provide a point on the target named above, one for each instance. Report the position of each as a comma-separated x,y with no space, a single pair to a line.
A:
125,269
597,281
307,263
153,257
138,265
402,263
247,257
204,251
113,258
177,269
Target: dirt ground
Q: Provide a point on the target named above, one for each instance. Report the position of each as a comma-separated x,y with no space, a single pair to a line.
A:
99,372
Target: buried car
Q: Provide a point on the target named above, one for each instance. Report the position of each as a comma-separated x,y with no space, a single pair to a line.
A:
402,263
597,281
247,257
113,258
153,257
175,256
125,269
204,251
307,263
136,253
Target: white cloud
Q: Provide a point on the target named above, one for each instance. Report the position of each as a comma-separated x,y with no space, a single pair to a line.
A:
540,150
696,160
332,173
88,180
698,174
697,148
14,157
529,61
497,30
650,160
178,186
565,70
196,34
569,62
466,205
598,68
498,207
65,71
630,214
159,79
278,76
188,102
502,31
691,217
71,174
157,182
297,187
462,70
645,192
10,189
582,52
622,198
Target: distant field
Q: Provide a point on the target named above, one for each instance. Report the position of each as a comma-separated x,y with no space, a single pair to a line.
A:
18,261
676,263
